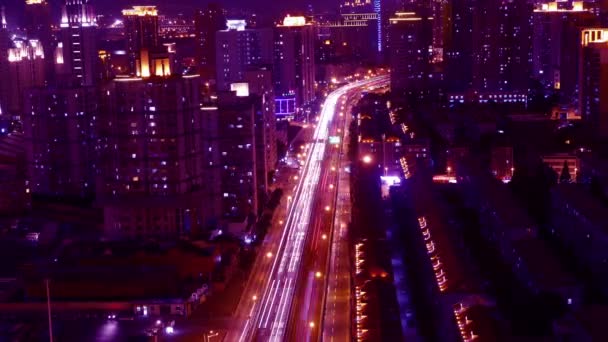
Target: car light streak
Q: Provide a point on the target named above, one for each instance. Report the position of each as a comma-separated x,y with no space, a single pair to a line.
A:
272,309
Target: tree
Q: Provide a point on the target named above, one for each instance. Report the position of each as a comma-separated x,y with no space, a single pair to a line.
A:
564,176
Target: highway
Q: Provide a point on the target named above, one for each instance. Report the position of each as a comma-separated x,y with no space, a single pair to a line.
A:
289,259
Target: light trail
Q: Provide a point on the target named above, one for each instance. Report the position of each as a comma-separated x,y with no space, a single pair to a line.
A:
273,308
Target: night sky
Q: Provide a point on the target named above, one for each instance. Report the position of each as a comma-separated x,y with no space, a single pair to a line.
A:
277,7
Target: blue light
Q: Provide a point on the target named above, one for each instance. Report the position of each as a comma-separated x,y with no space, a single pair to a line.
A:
378,10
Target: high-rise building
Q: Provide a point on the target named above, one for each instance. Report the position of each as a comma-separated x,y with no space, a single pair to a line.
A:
501,45
458,49
350,38
410,40
239,49
59,130
593,79
557,39
78,43
488,46
206,23
157,171
26,69
38,26
261,89
141,31
238,153
294,60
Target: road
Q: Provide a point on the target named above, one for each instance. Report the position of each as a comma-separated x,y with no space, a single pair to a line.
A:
289,259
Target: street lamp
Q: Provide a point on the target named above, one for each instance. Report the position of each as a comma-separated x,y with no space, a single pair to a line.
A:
367,159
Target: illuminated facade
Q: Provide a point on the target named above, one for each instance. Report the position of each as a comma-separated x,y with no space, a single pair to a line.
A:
141,31
294,60
158,166
26,69
78,38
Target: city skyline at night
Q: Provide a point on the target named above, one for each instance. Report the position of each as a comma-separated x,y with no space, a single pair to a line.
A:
304,170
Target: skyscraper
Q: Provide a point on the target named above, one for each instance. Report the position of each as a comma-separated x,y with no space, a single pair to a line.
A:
239,179
410,40
239,49
26,69
78,43
141,31
488,45
206,23
38,26
557,40
294,60
501,45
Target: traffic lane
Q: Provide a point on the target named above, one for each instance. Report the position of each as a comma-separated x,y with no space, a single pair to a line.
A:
310,296
262,265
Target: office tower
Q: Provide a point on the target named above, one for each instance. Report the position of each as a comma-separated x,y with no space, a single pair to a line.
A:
556,44
157,173
78,43
141,31
38,26
26,69
59,130
239,49
593,79
294,60
206,23
410,40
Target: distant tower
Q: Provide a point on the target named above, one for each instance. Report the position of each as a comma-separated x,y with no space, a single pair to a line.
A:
37,25
141,30
294,60
206,23
78,42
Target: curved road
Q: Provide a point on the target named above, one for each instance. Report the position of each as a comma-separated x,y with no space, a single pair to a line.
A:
265,307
